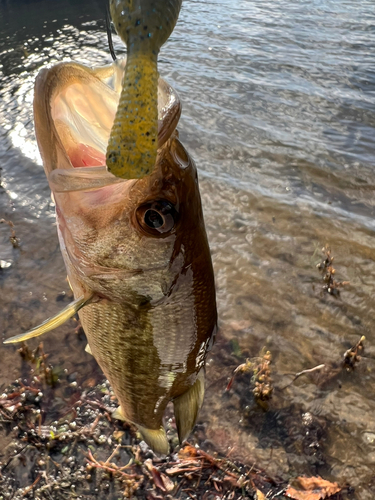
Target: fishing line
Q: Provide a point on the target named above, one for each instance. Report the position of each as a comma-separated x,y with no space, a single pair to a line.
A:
109,32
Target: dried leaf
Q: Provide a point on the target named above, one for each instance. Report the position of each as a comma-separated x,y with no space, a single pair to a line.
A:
260,495
185,466
168,483
158,481
311,488
188,451
118,435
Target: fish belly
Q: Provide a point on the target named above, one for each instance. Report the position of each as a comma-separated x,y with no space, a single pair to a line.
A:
144,354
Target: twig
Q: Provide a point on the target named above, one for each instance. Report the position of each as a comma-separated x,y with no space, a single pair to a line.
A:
12,458
303,372
114,469
308,370
95,423
113,454
29,488
39,424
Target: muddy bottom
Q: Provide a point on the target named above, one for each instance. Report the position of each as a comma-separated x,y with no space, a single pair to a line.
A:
60,442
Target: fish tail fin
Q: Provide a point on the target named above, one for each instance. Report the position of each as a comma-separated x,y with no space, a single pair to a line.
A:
187,406
155,438
52,323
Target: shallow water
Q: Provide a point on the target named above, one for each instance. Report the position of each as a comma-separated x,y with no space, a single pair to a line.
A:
278,102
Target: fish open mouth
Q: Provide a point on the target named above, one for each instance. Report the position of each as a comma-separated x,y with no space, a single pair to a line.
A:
74,110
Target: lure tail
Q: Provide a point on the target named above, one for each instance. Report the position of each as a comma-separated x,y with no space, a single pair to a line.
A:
144,26
133,143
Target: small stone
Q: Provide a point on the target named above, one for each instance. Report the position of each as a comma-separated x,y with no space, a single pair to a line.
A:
369,437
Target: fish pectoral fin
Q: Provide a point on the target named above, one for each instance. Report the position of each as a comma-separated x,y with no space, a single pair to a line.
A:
52,323
88,349
187,406
156,439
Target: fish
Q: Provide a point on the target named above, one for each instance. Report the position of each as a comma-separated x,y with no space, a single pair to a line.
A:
135,250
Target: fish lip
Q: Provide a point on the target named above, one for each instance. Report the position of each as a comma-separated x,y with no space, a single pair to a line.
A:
50,84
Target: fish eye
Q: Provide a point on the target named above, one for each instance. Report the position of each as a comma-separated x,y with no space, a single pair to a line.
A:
153,219
157,217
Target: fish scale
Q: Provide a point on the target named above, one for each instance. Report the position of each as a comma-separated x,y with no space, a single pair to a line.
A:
121,342
126,341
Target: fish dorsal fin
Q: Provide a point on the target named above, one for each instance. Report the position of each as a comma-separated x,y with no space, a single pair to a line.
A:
155,438
187,406
52,323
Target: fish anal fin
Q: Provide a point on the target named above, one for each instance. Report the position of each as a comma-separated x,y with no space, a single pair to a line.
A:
88,349
187,406
52,323
156,439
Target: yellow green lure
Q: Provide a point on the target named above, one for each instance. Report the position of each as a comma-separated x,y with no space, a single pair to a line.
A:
144,26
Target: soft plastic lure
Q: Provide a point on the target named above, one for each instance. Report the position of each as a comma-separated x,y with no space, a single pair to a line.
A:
144,26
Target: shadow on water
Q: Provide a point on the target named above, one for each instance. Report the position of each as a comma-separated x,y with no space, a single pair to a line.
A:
278,106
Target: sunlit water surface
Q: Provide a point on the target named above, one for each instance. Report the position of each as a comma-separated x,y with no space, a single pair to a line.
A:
278,111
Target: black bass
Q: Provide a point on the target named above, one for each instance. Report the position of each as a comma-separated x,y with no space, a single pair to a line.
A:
135,250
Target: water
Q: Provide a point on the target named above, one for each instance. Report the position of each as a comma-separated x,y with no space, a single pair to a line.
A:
278,101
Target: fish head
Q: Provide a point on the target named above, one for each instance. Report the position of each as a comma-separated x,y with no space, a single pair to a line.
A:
150,230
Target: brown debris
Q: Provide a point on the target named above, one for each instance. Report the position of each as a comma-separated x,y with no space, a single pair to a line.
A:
12,238
330,370
161,481
311,488
331,286
261,379
84,453
351,356
305,372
